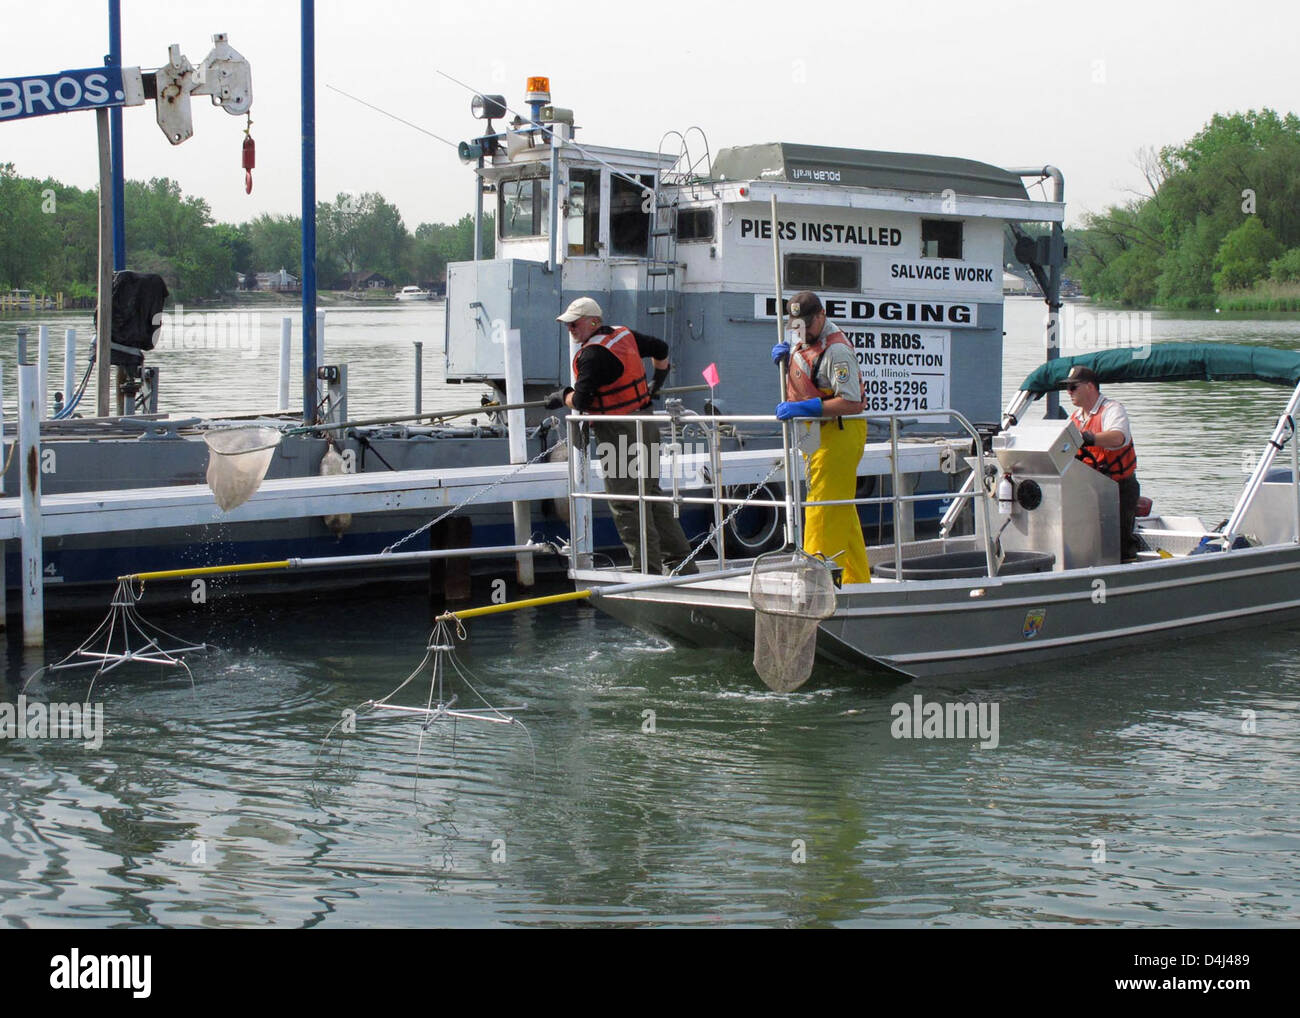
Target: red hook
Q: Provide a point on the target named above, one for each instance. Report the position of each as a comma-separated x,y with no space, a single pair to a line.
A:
250,158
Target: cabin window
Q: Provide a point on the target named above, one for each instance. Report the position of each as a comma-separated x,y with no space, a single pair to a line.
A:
582,220
817,272
524,208
940,238
694,225
630,210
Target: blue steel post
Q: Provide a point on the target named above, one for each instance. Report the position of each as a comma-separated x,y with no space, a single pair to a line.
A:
308,212
115,141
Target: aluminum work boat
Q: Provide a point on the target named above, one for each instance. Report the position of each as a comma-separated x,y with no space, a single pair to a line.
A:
1020,575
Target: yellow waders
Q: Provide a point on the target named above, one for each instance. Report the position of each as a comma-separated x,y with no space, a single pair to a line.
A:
832,474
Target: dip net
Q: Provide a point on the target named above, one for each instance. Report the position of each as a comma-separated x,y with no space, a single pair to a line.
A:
239,460
791,595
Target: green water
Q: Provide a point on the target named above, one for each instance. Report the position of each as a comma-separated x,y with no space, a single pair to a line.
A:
1155,788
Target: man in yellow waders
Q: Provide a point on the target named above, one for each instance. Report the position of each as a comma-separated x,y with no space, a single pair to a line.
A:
823,381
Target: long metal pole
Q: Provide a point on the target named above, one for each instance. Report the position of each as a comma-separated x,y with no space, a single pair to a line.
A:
115,134
793,525
337,561
478,211
104,319
308,211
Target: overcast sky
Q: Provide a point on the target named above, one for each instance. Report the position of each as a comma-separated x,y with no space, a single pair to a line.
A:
1083,86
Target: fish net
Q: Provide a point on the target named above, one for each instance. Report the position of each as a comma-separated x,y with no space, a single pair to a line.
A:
791,595
239,460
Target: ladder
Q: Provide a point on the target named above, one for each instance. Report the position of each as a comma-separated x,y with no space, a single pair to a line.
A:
686,171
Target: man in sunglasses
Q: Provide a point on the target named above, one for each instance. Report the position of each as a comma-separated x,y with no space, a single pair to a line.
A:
1107,447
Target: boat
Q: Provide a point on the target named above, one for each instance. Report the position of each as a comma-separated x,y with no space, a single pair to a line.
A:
674,241
1037,575
408,294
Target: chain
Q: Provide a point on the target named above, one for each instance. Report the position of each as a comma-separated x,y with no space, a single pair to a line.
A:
731,515
475,497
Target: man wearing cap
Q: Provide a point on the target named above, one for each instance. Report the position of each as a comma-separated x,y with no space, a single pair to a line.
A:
823,381
609,378
1107,447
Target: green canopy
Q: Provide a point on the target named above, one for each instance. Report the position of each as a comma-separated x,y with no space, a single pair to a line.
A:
1174,362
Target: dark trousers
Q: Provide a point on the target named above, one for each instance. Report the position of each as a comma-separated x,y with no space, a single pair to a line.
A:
1129,490
624,461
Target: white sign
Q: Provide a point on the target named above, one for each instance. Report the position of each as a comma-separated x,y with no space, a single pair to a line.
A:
945,273
90,88
826,232
884,311
902,369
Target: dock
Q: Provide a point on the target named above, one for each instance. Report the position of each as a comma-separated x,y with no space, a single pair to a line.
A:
191,505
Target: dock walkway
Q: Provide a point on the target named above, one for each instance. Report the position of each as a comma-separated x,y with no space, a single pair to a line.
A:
192,505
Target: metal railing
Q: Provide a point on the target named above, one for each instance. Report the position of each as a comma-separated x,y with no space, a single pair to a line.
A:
680,424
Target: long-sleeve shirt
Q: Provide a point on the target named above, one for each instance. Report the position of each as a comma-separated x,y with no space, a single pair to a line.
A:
598,367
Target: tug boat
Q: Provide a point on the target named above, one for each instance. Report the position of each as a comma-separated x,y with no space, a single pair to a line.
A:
906,251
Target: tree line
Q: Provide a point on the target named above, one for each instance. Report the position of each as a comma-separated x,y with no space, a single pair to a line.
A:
49,240
1219,219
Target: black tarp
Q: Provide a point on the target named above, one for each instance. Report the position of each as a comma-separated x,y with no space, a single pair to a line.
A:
138,300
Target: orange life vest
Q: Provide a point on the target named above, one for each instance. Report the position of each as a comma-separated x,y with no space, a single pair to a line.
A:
1116,464
629,392
801,379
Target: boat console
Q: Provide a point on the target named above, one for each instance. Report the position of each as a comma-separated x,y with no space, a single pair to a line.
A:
1048,501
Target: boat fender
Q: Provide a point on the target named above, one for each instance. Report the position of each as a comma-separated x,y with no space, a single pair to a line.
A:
754,529
331,464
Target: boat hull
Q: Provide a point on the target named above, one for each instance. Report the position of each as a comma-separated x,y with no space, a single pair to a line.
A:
944,627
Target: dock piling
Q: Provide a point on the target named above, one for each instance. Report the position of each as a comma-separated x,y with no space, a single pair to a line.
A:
43,360
29,460
286,334
4,605
419,377
320,355
69,365
518,437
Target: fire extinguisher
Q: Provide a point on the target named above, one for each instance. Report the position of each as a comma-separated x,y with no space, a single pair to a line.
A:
250,158
1006,495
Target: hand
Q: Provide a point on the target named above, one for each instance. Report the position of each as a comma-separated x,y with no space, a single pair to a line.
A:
1089,438
799,408
780,352
556,399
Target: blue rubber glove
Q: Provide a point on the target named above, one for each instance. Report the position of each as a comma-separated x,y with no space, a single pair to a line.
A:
780,352
799,408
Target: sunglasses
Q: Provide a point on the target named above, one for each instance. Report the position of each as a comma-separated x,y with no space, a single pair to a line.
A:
1072,386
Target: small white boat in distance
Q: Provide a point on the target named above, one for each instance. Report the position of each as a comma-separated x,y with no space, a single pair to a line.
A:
412,293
